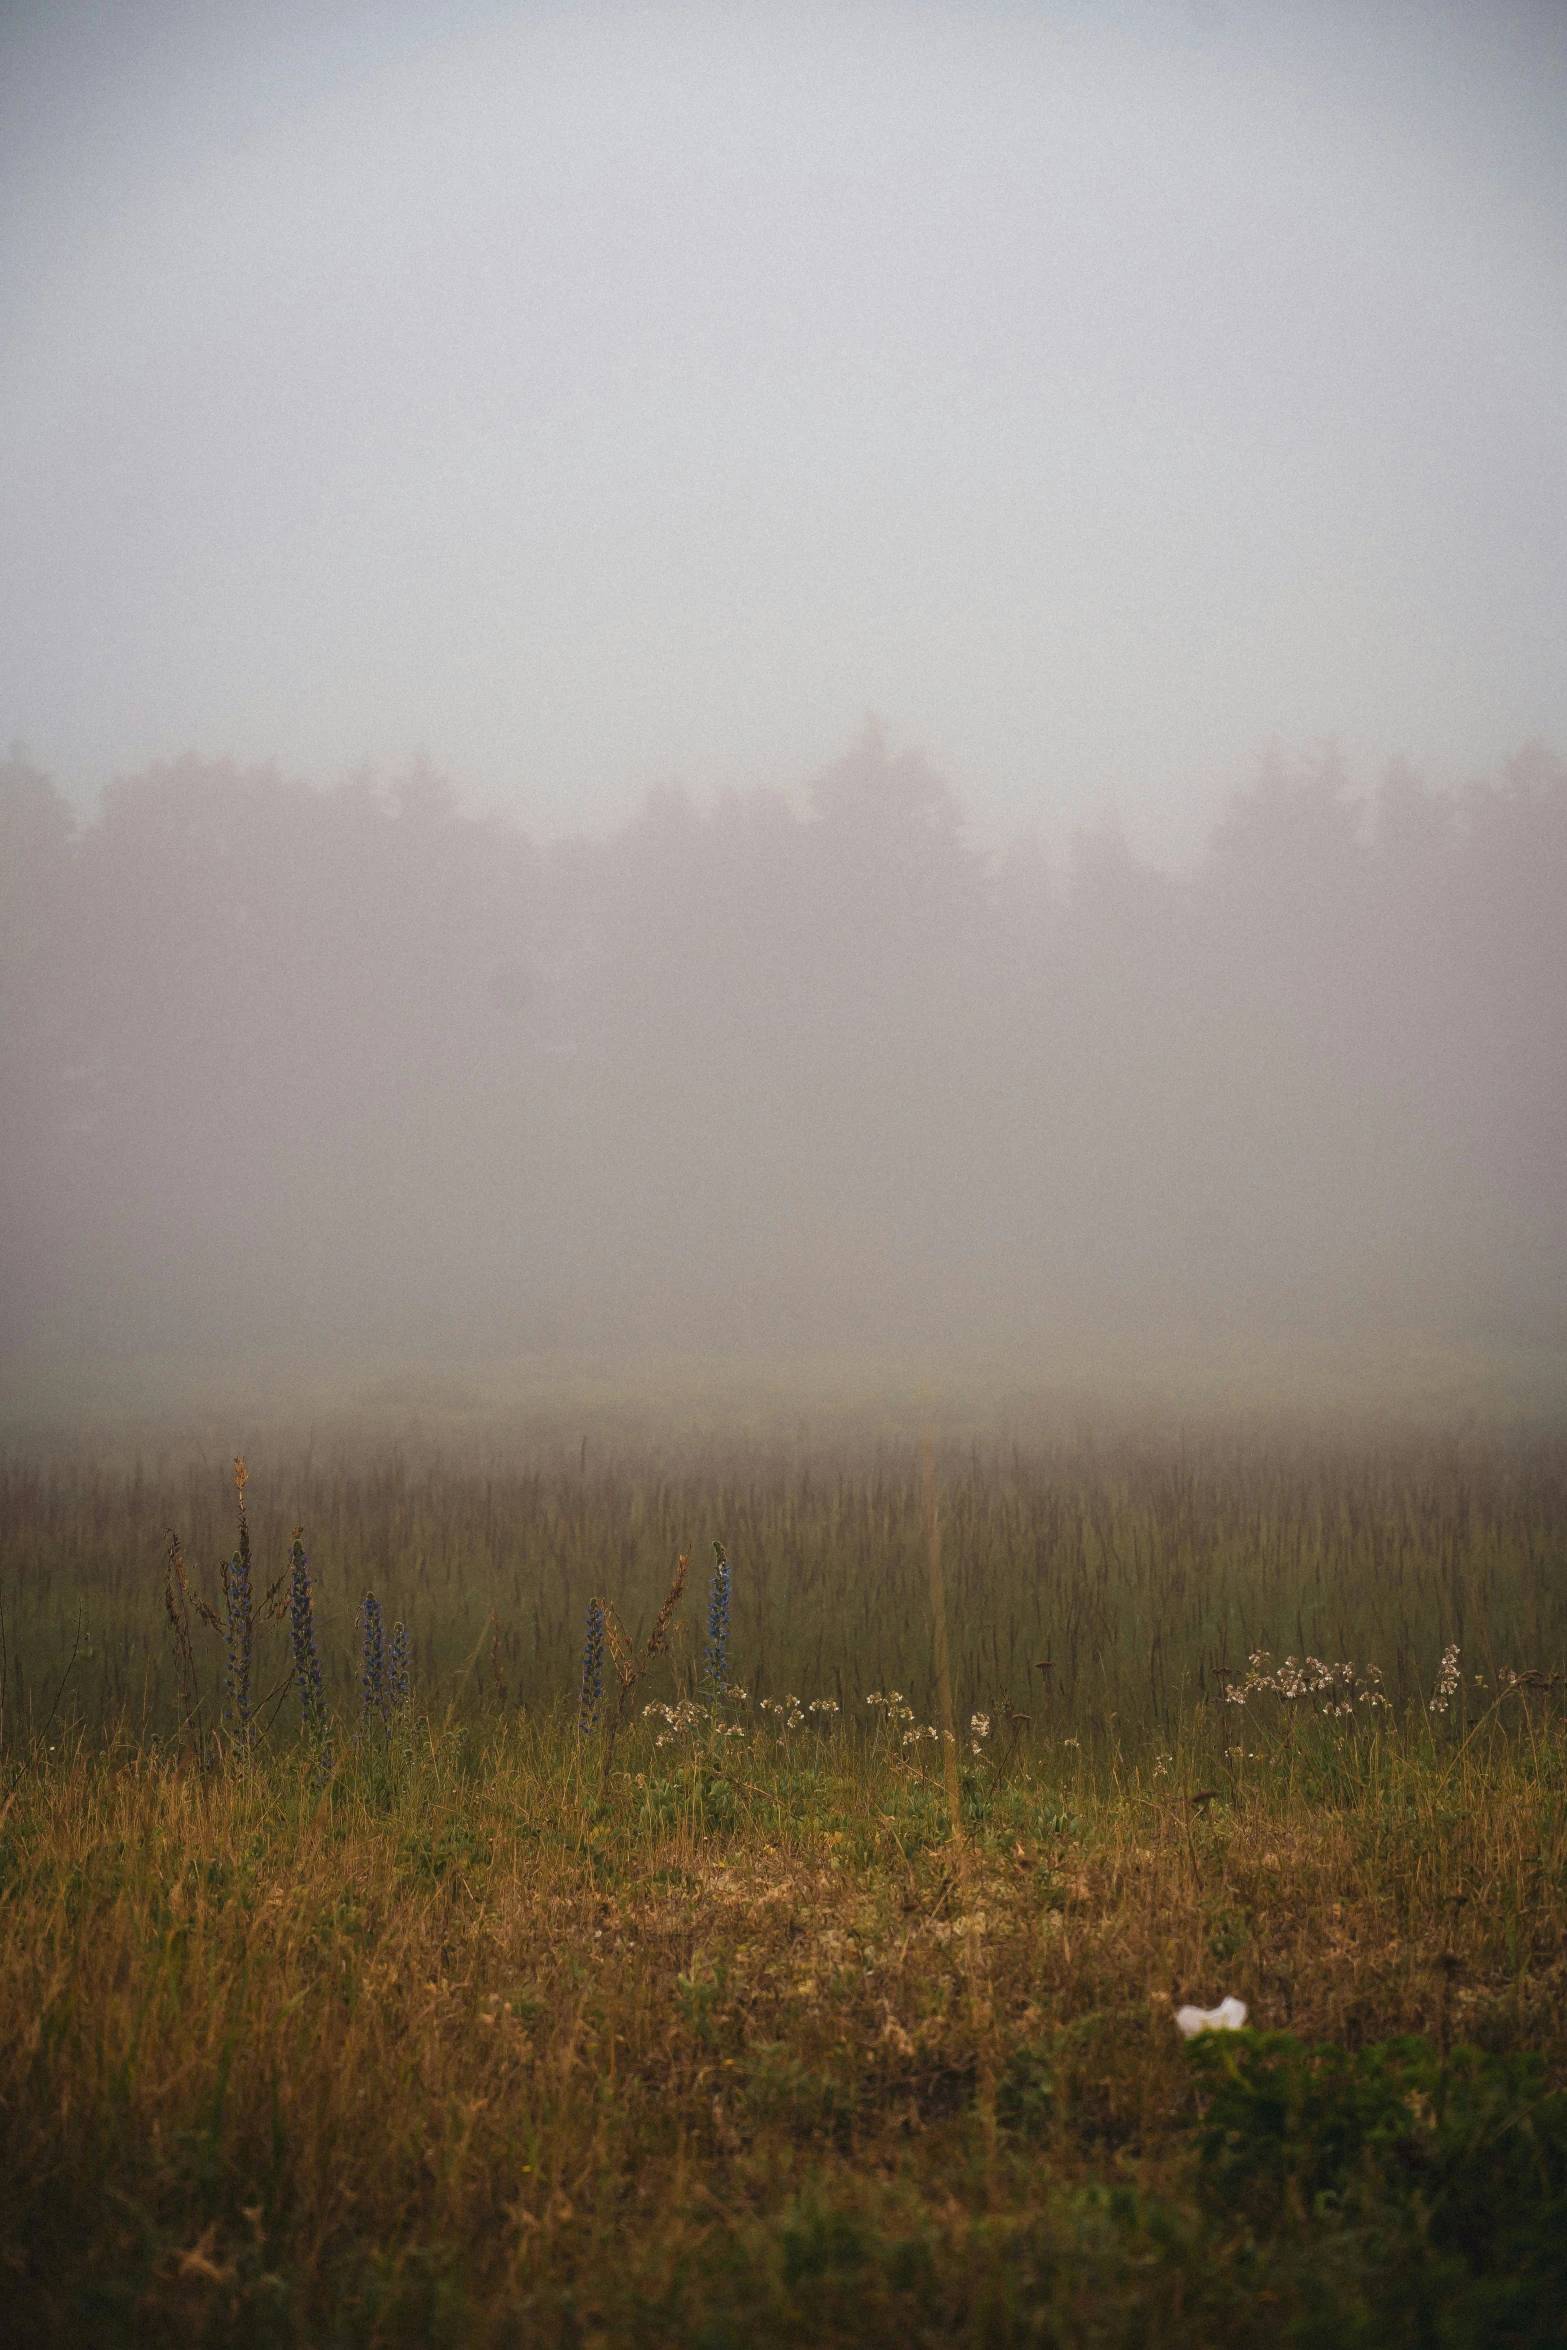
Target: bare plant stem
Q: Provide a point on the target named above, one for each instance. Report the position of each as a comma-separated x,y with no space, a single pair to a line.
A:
629,1665
938,1617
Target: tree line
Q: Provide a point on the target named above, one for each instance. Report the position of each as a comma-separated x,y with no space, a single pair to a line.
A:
284,1066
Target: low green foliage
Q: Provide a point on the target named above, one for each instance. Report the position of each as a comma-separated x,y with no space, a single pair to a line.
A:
475,2037
487,2056
1442,2178
1025,2096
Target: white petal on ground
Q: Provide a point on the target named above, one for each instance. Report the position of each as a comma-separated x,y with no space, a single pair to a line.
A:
1228,2016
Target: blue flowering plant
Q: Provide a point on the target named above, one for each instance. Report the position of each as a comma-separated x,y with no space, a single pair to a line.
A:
383,1676
591,1694
374,1698
397,1680
716,1661
239,1626
317,1720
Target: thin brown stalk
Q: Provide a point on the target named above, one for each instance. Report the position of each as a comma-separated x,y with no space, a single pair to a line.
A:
628,1664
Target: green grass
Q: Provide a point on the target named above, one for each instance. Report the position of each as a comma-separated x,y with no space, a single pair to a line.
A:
1140,1565
469,2045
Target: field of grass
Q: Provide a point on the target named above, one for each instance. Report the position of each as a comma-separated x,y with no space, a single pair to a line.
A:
455,2036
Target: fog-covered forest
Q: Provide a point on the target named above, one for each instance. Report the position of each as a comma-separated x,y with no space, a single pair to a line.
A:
289,1067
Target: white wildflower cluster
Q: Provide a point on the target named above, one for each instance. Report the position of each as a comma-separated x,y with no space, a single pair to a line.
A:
1334,1690
898,1715
978,1732
1447,1678
680,1721
789,1711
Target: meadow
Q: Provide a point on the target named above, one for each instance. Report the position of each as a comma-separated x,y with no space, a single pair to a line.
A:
383,2015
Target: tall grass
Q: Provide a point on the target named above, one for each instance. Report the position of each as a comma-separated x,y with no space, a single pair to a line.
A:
1106,1586
392,2007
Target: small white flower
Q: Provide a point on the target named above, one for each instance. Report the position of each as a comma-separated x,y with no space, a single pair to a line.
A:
1228,2016
1447,1679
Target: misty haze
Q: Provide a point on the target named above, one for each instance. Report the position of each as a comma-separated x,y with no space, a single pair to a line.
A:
783,1174
465,477
295,1073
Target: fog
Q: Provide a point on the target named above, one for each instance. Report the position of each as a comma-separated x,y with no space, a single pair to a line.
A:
594,397
466,474
292,1073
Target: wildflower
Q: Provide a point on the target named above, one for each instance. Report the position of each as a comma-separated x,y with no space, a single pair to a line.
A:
307,1661
680,1719
239,1628
1447,1678
717,1661
978,1732
891,1706
239,1633
397,1668
592,1690
1336,1689
1228,2016
373,1693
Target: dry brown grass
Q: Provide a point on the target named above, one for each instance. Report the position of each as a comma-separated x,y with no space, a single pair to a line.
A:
499,2038
462,2039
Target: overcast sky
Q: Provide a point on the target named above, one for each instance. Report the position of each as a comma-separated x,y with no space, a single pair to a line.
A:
592,397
